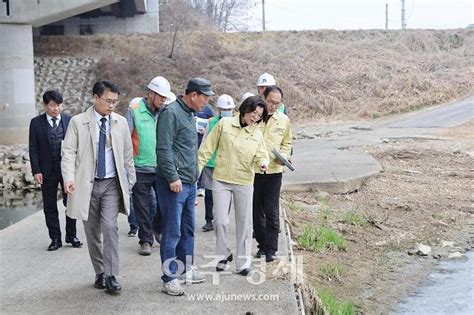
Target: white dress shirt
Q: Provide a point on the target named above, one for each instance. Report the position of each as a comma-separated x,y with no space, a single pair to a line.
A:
109,154
50,120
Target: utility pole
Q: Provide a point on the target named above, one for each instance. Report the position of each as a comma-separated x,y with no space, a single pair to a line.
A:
263,15
7,7
404,23
386,16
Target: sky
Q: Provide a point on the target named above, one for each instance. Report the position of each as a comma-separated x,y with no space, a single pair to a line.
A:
362,14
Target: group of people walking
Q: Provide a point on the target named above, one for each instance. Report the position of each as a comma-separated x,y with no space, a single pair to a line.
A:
152,152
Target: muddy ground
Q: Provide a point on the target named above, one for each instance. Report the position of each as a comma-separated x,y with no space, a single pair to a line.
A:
423,195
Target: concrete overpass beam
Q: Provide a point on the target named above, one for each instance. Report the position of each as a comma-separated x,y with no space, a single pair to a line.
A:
17,83
43,12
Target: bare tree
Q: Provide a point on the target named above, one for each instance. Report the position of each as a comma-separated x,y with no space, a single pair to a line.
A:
180,16
226,15
190,15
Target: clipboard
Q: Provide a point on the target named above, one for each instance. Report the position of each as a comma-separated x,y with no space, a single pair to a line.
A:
283,159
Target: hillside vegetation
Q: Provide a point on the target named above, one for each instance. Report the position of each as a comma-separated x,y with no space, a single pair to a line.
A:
324,74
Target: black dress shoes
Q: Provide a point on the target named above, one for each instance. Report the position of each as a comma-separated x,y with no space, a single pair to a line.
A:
112,284
245,272
270,257
222,264
55,244
100,281
207,227
74,241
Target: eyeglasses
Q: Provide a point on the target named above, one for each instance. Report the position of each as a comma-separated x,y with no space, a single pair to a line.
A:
257,114
270,102
109,101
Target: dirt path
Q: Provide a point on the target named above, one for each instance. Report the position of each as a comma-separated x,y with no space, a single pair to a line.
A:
423,195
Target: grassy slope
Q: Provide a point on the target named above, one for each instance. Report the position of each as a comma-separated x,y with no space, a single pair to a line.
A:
324,74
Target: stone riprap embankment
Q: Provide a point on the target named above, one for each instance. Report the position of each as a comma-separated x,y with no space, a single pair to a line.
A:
73,77
15,170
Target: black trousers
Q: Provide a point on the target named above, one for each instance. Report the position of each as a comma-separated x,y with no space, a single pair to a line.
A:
148,221
209,204
49,190
266,211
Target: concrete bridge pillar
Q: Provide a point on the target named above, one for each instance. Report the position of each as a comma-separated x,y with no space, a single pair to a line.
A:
17,83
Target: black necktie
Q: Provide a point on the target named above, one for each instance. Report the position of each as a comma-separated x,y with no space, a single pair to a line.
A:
101,155
54,122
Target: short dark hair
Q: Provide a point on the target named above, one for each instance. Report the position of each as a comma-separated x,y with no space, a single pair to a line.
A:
100,87
272,88
250,105
52,95
188,91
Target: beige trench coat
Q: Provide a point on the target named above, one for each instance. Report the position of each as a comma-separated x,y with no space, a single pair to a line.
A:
79,160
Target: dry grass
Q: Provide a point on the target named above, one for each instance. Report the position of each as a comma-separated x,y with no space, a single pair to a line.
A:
324,74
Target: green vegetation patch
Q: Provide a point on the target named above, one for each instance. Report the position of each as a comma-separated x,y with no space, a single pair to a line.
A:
332,271
335,307
294,207
319,239
325,210
354,218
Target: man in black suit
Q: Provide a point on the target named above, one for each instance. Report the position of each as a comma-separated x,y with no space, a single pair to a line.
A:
46,135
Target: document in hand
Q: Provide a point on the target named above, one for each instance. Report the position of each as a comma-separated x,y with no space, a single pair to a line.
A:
283,159
201,123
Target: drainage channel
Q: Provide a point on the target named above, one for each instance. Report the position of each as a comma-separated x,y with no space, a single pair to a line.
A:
298,279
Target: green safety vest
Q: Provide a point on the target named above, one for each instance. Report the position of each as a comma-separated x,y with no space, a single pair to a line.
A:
212,123
145,129
281,108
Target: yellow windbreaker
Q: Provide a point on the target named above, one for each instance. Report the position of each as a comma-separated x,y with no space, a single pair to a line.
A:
239,151
277,134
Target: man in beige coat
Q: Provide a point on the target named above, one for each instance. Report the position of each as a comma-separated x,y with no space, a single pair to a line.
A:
98,171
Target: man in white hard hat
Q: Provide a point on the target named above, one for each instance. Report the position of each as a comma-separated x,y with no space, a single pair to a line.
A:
142,115
264,81
225,107
245,96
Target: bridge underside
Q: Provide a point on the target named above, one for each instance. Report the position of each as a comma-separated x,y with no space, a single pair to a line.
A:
17,92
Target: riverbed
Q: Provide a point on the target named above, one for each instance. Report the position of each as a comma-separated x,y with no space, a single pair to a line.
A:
15,206
449,289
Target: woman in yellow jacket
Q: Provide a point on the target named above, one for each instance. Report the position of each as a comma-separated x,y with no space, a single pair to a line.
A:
240,147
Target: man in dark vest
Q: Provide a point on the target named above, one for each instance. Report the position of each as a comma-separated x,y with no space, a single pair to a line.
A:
46,135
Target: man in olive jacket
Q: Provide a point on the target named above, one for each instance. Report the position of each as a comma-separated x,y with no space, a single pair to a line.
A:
277,133
177,169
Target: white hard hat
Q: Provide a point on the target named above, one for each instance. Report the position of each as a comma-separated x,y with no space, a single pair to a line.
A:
247,95
225,102
161,86
266,79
